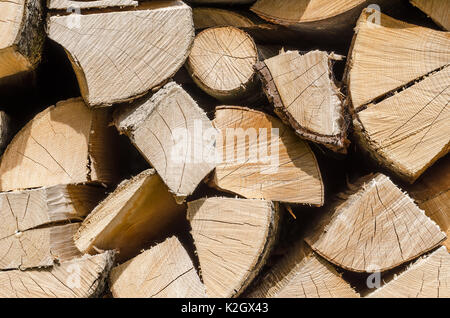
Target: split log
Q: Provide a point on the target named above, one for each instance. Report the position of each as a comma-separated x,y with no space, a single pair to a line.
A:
221,64
5,130
437,10
302,274
64,144
233,238
140,211
114,63
303,92
374,228
267,161
21,36
214,17
221,1
168,130
164,271
73,5
79,278
429,277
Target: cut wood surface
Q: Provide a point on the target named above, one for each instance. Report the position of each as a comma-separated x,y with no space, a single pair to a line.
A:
302,274
64,144
376,228
167,130
233,238
114,63
215,17
164,271
38,247
438,10
21,36
78,278
221,63
303,92
268,161
429,277
73,5
138,212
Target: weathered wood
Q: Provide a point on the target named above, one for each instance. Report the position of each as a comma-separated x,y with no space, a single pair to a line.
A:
163,271
140,211
376,227
114,63
438,10
168,130
303,92
74,5
233,238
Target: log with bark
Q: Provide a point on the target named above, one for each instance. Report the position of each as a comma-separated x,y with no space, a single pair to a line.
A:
436,9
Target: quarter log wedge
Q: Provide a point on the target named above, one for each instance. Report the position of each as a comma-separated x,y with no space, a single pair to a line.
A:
21,36
233,238
438,10
303,92
429,277
164,271
167,130
138,212
120,55
79,278
64,144
302,274
375,228
260,158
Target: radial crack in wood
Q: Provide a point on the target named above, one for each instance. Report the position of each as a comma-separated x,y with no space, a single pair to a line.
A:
163,271
140,211
303,92
373,229
79,278
72,6
118,56
233,238
261,158
438,10
168,129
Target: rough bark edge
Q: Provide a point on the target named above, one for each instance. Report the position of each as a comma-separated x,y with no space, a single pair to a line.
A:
102,281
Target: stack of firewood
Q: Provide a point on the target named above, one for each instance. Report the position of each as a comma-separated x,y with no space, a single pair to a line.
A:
289,148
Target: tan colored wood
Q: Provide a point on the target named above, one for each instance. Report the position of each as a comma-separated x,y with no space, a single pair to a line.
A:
163,271
375,228
220,1
221,64
114,63
64,144
214,17
78,278
40,247
233,238
429,277
21,36
376,67
409,131
291,176
167,130
303,92
138,212
438,10
73,5
302,274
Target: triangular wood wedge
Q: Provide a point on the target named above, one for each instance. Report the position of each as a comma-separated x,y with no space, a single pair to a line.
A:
376,67
303,92
376,228
118,56
164,271
409,131
79,278
261,158
302,274
438,10
74,5
233,238
64,144
139,211
168,130
21,36
429,277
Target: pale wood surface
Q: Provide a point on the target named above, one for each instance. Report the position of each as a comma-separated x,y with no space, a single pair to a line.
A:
163,271
152,126
233,238
213,17
438,10
84,4
376,228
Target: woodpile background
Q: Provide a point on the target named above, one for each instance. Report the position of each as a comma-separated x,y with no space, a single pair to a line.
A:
332,123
